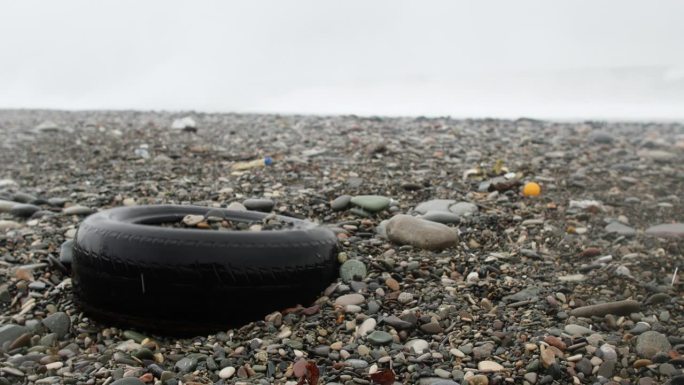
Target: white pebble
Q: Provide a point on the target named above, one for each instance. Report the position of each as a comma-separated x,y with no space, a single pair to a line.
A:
366,327
54,365
405,297
227,372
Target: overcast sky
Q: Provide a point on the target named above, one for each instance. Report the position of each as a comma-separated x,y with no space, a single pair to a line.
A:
557,59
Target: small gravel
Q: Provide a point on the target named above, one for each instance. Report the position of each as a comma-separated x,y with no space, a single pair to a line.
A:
448,274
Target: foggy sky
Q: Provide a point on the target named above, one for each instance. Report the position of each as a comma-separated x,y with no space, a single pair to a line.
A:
562,59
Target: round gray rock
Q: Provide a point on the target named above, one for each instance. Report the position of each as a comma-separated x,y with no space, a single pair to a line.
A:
58,323
650,343
351,269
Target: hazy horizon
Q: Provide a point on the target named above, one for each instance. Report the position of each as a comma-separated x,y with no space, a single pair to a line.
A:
619,60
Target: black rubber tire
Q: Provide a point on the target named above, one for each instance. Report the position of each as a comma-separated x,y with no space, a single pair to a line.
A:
184,281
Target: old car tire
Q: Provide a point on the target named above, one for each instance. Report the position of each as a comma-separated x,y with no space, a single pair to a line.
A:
177,280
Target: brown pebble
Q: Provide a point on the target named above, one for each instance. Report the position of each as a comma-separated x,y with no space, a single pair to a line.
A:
547,356
555,341
392,284
640,363
590,252
147,377
21,341
625,307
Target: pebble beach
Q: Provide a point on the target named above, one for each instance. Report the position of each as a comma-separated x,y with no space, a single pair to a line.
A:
471,251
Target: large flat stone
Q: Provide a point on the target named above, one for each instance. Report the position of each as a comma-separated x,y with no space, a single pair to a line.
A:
408,230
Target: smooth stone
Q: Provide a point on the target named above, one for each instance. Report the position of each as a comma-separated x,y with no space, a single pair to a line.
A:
352,269
371,203
667,370
5,296
49,340
349,299
434,205
186,364
135,336
9,225
572,278
405,229
322,350
489,366
258,204
442,373
405,297
57,202
23,210
373,307
600,137
37,285
606,369
357,364
6,206
58,323
483,351
584,366
619,228
675,230
227,372
525,294
397,322
7,182
48,126
657,298
236,206
432,328
128,381
659,156
463,209
366,327
608,352
478,379
649,343
441,217
78,210
379,337
418,346
11,332
577,330
639,328
192,220
23,197
531,377
186,123
341,202
625,307
66,252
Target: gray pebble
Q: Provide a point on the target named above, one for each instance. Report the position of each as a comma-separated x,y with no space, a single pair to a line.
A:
24,210
340,203
59,323
255,204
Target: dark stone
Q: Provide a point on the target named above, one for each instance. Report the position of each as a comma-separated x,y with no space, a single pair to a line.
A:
257,204
24,210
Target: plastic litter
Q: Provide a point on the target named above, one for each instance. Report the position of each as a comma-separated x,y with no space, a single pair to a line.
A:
241,166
